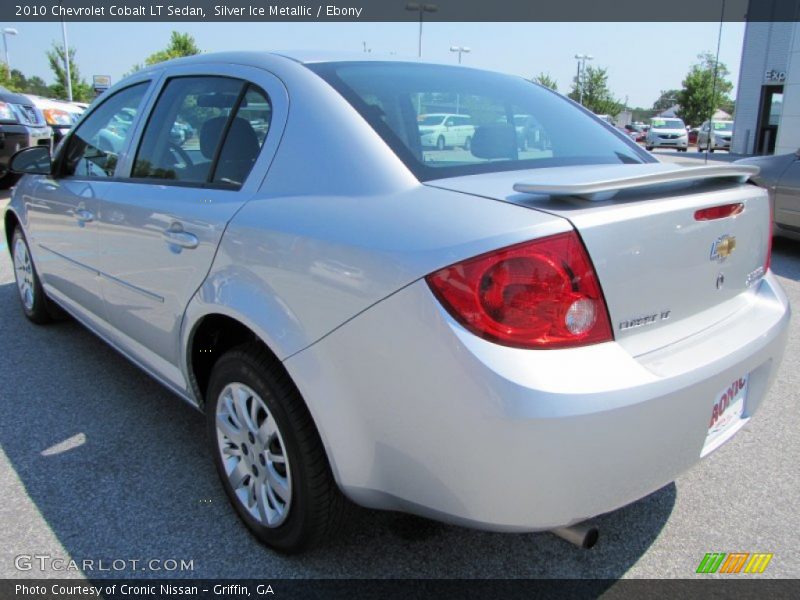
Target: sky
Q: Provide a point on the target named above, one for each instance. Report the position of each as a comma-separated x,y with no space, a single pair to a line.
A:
642,58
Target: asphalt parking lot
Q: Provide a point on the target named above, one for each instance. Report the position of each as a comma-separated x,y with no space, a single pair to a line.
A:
97,461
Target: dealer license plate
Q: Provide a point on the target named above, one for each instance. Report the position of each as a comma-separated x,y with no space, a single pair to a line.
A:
727,414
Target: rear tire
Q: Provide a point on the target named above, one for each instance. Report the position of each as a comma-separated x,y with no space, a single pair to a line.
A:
648,148
33,300
269,454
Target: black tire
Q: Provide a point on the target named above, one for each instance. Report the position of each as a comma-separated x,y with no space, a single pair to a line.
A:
711,150
648,148
699,149
468,143
440,143
41,311
317,506
9,179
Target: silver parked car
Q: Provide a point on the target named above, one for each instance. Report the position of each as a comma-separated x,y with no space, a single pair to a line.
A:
715,135
667,133
780,175
513,342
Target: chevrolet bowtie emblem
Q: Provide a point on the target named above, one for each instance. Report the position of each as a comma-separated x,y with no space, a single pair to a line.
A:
723,248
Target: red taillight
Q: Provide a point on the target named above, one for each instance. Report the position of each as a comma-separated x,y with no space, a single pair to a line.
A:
541,294
719,212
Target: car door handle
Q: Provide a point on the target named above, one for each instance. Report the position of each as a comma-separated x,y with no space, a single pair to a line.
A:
184,239
84,216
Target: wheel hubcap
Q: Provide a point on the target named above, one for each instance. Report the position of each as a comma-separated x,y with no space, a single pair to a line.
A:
253,454
23,272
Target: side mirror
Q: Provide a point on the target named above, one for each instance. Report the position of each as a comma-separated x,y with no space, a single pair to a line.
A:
34,161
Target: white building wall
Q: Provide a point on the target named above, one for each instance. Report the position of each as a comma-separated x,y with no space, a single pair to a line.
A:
766,46
789,128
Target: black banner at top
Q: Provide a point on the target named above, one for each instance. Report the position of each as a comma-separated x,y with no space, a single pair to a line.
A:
400,10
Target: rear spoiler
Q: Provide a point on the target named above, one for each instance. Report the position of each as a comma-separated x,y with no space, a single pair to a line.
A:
595,185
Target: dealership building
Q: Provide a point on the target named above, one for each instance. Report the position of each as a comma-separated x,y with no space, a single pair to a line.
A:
768,93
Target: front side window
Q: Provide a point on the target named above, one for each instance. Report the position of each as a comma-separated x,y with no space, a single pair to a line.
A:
93,149
501,122
183,140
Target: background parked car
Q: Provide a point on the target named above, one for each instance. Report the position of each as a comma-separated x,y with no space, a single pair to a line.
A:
667,133
60,116
638,130
441,130
21,125
715,135
780,175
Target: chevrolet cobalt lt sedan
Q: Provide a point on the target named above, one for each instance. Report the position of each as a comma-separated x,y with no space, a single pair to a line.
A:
513,341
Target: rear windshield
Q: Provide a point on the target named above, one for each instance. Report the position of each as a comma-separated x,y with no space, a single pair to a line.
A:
494,122
668,124
723,125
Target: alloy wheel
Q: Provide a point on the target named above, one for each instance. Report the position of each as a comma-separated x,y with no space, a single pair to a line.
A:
253,454
23,271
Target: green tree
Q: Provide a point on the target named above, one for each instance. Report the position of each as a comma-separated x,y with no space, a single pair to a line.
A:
81,91
180,44
596,95
667,99
36,85
547,81
699,98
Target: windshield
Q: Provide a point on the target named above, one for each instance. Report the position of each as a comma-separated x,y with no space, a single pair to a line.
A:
430,119
512,123
723,125
668,124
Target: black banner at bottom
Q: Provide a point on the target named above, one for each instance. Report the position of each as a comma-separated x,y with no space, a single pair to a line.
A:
389,589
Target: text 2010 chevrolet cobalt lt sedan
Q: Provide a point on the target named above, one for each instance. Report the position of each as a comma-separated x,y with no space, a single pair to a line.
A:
509,339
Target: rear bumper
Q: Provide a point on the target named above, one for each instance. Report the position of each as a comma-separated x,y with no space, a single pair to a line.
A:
419,415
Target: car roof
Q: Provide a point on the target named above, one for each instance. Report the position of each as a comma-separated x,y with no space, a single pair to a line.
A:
304,57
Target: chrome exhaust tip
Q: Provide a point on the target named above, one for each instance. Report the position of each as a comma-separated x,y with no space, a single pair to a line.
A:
584,535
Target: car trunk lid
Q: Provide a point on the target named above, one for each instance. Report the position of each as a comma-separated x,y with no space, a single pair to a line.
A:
666,272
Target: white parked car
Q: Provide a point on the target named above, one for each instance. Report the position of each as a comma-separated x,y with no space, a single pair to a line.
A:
667,133
715,135
60,116
441,130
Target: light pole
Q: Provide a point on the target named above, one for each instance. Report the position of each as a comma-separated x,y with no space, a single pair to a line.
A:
6,32
582,58
66,55
460,50
422,9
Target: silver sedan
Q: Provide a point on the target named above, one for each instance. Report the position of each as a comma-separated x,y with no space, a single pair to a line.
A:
510,339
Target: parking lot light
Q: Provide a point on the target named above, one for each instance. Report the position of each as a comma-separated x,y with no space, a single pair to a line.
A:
460,50
6,32
582,58
422,9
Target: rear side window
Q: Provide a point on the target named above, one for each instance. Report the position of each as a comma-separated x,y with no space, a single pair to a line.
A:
246,135
496,122
185,139
93,148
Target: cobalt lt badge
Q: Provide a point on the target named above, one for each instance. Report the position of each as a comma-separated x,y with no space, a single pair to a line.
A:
723,247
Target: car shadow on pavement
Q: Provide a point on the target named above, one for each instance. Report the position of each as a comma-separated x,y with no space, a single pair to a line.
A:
118,469
786,258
